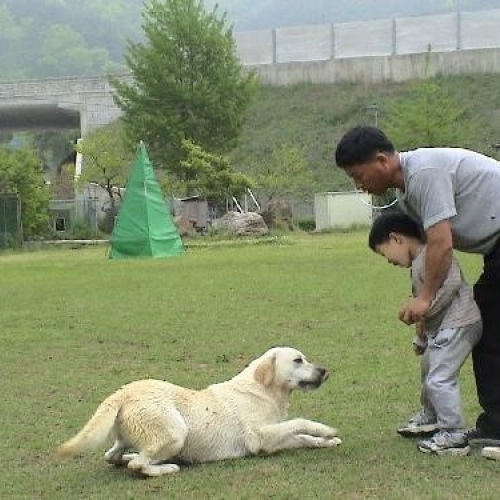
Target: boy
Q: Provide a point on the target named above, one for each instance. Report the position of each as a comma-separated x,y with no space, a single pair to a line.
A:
445,337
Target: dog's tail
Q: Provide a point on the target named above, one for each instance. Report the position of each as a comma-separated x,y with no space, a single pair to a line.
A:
96,431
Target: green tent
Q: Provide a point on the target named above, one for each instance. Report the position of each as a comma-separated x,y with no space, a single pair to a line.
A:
144,227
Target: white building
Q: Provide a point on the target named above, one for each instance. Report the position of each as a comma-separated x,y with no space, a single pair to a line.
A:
342,209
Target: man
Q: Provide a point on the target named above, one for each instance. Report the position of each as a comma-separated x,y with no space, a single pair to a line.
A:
455,194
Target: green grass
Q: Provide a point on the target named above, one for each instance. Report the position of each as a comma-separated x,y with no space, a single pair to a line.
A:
76,326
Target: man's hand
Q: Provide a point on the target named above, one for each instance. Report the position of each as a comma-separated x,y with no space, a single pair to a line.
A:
414,310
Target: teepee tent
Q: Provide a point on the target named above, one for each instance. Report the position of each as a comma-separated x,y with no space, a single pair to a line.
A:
144,227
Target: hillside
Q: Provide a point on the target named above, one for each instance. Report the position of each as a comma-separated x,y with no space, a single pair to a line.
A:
315,116
51,38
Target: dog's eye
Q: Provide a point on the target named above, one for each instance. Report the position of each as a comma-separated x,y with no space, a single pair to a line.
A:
299,361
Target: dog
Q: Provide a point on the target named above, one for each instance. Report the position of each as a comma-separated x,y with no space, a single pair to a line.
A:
166,425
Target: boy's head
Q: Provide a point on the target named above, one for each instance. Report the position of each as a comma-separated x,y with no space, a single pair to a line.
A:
397,237
366,155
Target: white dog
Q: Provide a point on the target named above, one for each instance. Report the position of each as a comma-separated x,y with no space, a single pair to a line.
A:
246,415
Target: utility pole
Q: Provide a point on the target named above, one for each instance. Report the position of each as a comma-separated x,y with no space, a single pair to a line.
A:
373,107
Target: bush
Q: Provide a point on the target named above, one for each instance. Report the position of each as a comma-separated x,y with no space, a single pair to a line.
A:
82,231
306,224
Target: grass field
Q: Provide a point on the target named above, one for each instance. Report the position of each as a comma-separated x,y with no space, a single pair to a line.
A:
75,326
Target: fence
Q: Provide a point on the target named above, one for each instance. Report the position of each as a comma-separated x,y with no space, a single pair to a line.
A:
11,230
401,36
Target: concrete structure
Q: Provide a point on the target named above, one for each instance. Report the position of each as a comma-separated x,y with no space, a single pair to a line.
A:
335,210
379,69
83,103
368,52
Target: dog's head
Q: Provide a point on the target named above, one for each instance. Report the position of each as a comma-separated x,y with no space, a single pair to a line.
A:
288,369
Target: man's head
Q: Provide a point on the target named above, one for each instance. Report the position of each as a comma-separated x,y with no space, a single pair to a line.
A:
369,158
396,236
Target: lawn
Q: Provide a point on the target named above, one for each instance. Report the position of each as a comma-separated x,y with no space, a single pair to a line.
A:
75,326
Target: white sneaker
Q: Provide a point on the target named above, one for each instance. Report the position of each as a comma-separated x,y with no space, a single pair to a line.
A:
446,442
492,452
421,424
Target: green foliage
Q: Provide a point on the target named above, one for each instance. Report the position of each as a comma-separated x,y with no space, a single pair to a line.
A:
107,158
210,175
82,231
62,43
285,174
306,224
49,38
21,172
188,83
426,116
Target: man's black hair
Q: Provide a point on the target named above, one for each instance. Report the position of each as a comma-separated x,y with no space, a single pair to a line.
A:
393,222
360,144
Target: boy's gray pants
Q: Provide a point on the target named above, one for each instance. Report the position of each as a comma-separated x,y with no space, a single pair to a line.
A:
440,367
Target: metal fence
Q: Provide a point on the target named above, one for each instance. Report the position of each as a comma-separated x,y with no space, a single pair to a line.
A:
11,229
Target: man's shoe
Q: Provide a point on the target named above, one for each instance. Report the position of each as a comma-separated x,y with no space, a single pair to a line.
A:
420,424
479,438
446,443
492,452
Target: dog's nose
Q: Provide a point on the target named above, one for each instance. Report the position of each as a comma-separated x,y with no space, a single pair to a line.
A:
324,373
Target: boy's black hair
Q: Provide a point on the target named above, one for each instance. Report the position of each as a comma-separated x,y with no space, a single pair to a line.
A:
393,222
360,144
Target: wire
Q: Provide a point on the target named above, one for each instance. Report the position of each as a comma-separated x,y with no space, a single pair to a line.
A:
382,207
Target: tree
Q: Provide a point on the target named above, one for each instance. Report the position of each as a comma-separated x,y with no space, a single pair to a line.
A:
280,180
188,84
286,175
107,160
212,176
21,172
428,116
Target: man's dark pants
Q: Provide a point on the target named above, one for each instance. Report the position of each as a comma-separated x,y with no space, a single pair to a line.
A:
486,354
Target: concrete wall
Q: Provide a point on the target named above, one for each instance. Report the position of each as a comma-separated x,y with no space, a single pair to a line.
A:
368,70
342,209
375,51
376,40
399,36
90,97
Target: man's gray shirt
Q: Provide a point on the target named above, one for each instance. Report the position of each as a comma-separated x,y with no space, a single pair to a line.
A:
453,184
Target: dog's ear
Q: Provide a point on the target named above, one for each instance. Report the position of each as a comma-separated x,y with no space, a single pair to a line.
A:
264,373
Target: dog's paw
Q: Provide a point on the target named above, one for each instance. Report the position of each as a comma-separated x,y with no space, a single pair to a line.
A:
153,470
331,442
318,442
335,441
